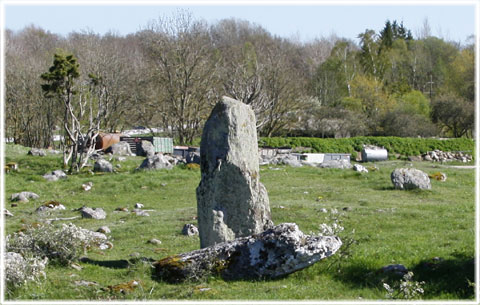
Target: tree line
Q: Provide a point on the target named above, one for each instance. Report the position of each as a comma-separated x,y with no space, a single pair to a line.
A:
172,72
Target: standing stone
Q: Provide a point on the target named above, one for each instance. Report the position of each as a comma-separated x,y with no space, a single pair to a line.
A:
410,178
231,201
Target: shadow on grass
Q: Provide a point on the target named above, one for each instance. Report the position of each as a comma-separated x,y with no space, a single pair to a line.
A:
451,276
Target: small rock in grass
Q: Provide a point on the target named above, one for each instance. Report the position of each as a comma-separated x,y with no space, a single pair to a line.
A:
95,213
323,210
102,165
7,213
36,152
154,241
55,175
360,168
438,176
49,206
104,230
23,196
189,230
14,205
87,186
396,269
138,205
106,245
120,209
139,212
76,266
85,283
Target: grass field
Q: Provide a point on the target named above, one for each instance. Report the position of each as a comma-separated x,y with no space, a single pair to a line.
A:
390,227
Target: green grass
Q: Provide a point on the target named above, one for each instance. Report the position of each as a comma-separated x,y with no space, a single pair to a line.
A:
391,226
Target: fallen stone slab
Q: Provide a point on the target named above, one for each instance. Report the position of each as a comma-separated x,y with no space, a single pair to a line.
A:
23,196
274,253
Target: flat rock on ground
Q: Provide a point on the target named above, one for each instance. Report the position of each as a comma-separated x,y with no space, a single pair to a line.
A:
37,152
157,161
273,253
95,213
24,196
55,175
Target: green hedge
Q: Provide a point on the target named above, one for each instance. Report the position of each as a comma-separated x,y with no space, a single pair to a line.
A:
394,145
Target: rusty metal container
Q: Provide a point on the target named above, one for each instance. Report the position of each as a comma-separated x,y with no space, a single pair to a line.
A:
105,140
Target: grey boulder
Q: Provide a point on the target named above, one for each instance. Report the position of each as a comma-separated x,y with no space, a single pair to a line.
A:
290,160
360,168
95,213
410,178
102,165
24,196
189,230
155,162
37,152
55,175
121,148
193,157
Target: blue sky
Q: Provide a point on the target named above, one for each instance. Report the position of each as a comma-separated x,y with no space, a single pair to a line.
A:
451,21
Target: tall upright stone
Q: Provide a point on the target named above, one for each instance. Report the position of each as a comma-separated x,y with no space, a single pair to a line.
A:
231,201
